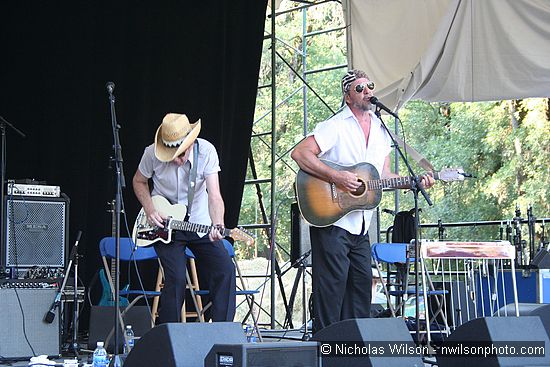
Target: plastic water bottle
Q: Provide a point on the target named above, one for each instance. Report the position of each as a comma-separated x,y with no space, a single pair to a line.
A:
129,340
100,356
250,333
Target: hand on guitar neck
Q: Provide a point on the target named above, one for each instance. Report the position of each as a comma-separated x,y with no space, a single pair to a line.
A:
216,232
426,180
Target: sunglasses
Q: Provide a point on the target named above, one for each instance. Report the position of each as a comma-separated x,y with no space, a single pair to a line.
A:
359,88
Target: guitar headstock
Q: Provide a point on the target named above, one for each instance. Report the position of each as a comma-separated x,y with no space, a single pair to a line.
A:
240,234
451,174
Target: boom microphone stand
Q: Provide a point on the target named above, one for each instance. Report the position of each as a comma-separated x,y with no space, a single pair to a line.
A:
120,184
50,315
415,188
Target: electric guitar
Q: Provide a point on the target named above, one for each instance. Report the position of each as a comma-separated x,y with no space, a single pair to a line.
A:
322,203
107,292
145,234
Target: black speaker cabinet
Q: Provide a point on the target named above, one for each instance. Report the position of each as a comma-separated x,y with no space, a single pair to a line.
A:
541,260
36,231
278,354
529,309
372,335
182,344
499,333
17,324
300,242
102,319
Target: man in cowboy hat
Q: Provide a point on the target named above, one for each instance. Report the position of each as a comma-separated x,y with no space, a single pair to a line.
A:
170,162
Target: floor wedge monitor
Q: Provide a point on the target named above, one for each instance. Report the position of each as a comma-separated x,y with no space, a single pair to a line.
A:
368,342
182,344
497,342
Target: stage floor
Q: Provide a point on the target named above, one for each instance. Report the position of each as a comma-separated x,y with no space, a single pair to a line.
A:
295,335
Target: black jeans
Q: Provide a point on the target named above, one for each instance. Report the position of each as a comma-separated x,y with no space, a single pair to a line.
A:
342,275
216,274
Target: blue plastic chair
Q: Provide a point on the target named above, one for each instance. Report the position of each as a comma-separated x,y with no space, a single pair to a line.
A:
129,252
242,291
396,254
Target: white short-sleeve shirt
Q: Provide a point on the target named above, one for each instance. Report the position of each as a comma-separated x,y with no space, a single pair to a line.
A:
172,181
342,141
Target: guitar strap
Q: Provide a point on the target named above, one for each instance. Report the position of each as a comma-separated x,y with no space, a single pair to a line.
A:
192,180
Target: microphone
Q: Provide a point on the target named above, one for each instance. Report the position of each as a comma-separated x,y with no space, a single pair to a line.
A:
50,315
110,87
379,104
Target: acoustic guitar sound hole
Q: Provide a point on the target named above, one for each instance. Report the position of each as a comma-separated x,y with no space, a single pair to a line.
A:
360,190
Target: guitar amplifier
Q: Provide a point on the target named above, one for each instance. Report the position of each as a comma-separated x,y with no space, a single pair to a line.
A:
24,333
36,231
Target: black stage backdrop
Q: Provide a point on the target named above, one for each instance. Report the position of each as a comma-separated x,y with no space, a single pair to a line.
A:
201,58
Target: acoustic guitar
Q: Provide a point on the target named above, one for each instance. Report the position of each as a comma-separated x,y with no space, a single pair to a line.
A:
145,234
322,203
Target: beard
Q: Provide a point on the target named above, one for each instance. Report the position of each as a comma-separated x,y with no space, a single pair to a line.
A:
363,104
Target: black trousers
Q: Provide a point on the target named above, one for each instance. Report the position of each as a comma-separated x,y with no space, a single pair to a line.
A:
216,274
342,275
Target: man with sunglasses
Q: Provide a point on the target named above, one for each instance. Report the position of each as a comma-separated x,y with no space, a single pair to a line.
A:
341,254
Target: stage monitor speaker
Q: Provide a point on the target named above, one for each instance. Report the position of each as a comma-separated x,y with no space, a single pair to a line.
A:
499,333
380,336
182,344
541,260
300,242
102,319
36,231
529,309
21,319
274,354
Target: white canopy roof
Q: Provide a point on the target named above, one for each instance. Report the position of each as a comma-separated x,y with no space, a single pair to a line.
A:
451,50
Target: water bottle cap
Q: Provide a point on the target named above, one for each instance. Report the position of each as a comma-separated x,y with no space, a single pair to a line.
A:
100,344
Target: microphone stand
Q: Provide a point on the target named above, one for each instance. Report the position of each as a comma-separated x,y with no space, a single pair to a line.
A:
415,187
50,315
3,124
120,184
74,341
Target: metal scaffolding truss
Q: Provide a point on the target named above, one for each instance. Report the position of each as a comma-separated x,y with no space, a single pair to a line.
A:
268,205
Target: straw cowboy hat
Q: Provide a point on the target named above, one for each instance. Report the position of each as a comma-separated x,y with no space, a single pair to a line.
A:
174,136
